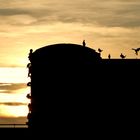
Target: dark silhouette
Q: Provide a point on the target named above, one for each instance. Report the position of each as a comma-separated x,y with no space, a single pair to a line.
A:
99,50
75,91
29,84
28,96
109,56
136,50
29,116
63,67
28,65
122,56
30,107
30,54
29,69
84,43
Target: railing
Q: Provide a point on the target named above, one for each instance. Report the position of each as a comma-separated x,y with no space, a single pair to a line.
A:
13,126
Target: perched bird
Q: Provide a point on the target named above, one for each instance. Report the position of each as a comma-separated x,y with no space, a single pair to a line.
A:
136,50
28,65
99,50
29,84
84,43
122,56
28,96
30,54
109,56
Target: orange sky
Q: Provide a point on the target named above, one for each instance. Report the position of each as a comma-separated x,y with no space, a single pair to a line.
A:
112,25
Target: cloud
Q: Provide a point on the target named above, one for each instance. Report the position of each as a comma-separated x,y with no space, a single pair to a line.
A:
13,103
111,13
34,23
10,12
13,120
11,88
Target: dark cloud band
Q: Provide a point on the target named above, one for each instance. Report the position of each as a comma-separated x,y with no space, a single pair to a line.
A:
111,13
13,103
10,88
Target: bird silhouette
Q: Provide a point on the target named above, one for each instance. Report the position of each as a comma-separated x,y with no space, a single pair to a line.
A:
29,84
84,43
99,50
136,50
30,54
28,96
109,56
122,56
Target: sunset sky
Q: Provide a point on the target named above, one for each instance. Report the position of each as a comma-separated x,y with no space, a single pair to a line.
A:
13,91
112,25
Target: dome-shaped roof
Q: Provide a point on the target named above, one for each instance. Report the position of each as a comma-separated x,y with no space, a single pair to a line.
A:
65,53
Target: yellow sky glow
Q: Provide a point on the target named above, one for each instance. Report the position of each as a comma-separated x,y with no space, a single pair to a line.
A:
13,75
114,40
14,110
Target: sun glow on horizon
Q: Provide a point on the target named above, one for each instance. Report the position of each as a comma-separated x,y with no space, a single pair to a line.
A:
14,110
13,75
13,91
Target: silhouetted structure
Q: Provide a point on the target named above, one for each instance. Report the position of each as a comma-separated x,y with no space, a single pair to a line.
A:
74,90
62,66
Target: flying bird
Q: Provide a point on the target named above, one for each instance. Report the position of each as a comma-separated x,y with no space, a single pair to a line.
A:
136,50
99,50
122,56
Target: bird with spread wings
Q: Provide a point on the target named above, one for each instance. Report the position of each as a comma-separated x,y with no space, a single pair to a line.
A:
136,50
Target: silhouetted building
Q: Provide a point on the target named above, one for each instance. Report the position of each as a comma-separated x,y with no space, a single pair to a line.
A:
57,83
74,89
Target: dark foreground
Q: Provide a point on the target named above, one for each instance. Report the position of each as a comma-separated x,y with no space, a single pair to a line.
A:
76,94
103,103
